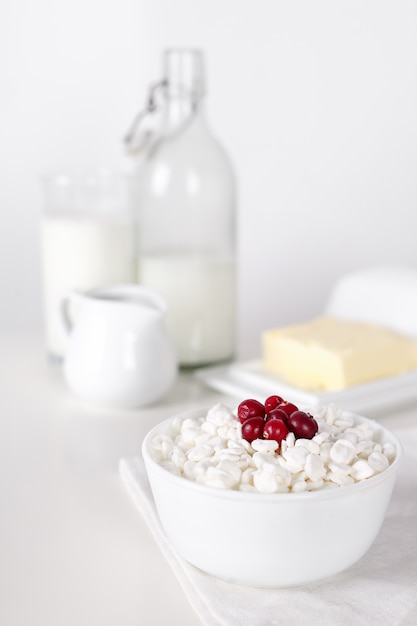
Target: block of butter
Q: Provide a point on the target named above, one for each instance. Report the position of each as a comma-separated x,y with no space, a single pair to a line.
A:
330,354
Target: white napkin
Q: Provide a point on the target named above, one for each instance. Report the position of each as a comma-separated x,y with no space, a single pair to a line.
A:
380,590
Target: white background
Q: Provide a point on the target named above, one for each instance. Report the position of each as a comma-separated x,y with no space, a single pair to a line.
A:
315,101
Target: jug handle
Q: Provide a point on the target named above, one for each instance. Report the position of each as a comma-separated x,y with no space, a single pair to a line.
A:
64,311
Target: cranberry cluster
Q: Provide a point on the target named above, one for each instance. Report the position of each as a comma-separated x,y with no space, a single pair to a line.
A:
274,420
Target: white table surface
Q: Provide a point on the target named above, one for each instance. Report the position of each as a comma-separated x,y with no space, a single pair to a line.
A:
73,548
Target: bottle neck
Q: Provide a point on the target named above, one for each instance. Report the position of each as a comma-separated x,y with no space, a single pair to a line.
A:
178,111
184,86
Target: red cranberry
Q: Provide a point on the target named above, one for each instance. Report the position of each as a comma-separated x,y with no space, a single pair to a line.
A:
303,425
272,402
252,428
275,429
250,408
288,407
277,413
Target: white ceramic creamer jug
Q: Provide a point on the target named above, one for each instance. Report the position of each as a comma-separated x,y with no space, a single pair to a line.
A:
119,354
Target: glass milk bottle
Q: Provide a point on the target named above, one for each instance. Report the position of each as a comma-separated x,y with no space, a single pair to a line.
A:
186,212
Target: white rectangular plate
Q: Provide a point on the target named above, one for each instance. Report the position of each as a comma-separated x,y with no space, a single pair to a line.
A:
248,379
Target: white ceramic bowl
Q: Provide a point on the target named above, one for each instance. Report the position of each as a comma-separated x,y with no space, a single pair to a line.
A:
270,540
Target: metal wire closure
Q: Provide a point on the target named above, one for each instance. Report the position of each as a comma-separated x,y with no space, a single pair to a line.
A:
151,106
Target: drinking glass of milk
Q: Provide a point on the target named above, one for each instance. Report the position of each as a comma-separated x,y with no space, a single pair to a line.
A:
88,241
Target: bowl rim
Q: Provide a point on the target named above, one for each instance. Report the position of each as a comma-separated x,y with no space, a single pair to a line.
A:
255,497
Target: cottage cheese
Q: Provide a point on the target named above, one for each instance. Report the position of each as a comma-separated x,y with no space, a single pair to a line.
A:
210,450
